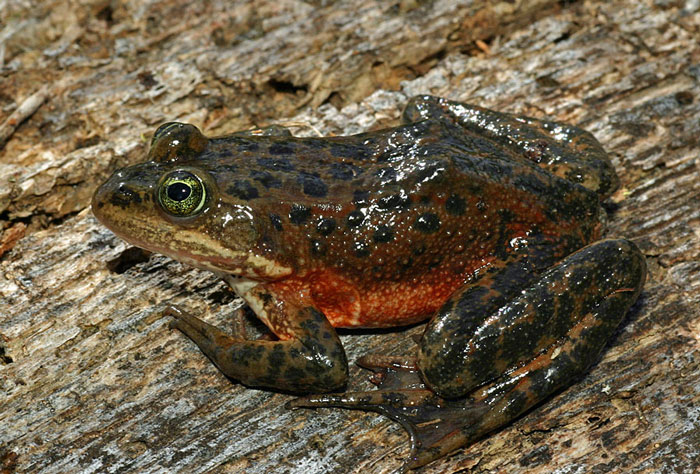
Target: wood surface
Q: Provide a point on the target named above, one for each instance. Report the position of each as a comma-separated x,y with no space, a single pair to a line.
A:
92,380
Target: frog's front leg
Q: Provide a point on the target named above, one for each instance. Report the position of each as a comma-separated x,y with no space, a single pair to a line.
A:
485,371
308,357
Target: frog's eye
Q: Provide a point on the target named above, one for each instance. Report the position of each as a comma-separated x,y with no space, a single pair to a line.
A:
182,194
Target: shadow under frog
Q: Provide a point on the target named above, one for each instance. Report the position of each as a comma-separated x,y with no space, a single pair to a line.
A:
485,224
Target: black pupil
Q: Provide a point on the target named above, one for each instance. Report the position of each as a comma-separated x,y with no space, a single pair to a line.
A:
179,191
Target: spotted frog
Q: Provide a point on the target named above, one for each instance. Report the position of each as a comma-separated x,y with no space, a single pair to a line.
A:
485,224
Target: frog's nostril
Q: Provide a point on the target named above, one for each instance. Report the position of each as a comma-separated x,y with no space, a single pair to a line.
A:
125,191
124,195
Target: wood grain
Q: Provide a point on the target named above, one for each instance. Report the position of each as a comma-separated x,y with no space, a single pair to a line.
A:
92,380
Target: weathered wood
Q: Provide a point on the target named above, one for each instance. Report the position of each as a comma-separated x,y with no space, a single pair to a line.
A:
92,380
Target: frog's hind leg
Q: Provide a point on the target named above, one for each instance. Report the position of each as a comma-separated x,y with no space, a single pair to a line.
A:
541,341
461,349
562,149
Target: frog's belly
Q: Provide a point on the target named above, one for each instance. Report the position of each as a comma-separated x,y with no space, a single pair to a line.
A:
349,304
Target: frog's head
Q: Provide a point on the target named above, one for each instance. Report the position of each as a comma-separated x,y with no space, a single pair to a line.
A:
171,204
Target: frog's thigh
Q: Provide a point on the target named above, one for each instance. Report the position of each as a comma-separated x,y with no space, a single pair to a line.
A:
312,360
577,304
566,151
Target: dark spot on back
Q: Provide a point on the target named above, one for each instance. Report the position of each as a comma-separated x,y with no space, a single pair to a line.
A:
383,234
481,206
312,184
276,221
355,218
318,247
344,171
298,214
280,149
248,146
242,189
506,216
225,153
316,143
348,151
278,164
455,205
474,188
393,201
386,175
326,226
360,197
266,179
433,172
427,223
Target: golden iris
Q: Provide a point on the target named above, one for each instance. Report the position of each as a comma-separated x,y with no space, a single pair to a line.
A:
182,194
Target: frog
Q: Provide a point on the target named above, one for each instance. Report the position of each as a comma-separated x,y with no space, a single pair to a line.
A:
485,226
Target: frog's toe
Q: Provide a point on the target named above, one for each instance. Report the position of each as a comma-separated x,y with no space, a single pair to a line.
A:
184,321
208,337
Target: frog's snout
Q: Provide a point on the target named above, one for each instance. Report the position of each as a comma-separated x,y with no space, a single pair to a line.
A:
111,193
99,199
128,190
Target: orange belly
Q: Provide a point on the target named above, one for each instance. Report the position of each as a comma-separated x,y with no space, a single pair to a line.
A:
354,303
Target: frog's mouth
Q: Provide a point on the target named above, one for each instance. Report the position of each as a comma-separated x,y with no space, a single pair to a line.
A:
207,254
187,246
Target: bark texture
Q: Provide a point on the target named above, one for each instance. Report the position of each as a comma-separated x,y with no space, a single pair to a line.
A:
91,380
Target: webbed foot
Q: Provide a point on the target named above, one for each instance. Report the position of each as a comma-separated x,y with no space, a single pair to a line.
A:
435,425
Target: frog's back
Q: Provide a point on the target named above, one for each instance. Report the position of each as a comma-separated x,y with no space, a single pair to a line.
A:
396,205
